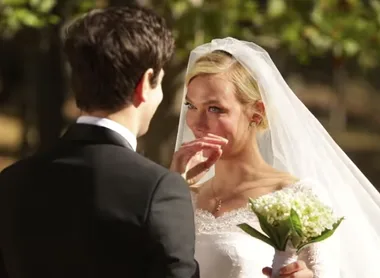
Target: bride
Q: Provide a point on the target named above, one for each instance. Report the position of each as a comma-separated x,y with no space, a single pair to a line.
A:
242,134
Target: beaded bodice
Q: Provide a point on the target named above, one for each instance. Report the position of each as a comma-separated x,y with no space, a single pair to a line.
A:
223,250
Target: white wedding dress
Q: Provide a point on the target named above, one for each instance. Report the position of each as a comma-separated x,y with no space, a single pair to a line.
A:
297,143
224,251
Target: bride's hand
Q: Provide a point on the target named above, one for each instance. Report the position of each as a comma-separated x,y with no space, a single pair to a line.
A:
193,159
297,269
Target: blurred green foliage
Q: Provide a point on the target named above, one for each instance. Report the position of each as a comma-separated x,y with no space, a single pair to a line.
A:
345,29
18,14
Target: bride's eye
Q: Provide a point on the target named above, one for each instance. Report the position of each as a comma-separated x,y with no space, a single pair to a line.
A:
214,109
189,105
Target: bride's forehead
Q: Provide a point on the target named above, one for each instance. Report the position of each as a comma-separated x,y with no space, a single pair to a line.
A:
204,91
210,85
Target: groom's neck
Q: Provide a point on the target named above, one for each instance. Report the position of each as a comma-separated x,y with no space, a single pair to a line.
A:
125,117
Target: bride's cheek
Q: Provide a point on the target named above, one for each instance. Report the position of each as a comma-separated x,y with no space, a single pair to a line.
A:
228,126
219,128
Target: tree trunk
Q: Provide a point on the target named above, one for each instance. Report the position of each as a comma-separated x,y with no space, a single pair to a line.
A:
338,113
51,85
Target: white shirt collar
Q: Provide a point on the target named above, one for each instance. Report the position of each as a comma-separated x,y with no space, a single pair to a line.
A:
107,123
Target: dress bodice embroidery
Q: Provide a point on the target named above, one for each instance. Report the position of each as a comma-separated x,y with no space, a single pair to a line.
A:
223,250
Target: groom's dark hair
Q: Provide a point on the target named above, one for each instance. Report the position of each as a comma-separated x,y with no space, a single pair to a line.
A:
109,50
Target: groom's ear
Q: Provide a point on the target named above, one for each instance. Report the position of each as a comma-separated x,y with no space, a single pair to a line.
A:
143,88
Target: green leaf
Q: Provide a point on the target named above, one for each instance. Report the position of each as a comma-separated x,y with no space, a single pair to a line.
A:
325,235
279,234
295,223
318,40
266,227
296,227
351,47
291,32
45,6
28,18
53,19
15,2
283,231
367,60
86,5
179,8
269,230
375,4
34,3
256,234
276,8
296,240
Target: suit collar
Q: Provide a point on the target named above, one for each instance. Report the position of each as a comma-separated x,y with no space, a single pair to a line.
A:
115,126
92,134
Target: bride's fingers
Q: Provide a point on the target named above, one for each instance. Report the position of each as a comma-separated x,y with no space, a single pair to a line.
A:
194,156
196,173
207,139
183,156
186,156
196,147
203,143
293,267
210,152
216,136
213,158
203,167
267,271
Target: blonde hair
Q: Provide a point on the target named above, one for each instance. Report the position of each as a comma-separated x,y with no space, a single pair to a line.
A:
216,62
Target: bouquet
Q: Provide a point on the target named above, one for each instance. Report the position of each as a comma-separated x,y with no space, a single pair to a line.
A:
291,219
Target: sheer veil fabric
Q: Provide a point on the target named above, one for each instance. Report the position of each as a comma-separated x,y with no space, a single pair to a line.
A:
296,142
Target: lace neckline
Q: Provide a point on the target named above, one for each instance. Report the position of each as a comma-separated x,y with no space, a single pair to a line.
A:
206,223
233,212
224,215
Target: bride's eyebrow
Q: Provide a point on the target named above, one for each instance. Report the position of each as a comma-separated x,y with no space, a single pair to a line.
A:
187,100
212,102
207,102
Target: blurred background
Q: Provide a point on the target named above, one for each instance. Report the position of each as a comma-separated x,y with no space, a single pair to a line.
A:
328,51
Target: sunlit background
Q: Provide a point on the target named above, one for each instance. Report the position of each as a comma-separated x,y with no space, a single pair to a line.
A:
328,51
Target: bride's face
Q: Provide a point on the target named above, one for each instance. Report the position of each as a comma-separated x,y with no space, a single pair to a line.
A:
214,108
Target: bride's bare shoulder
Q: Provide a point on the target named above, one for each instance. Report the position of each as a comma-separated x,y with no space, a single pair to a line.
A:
280,180
288,181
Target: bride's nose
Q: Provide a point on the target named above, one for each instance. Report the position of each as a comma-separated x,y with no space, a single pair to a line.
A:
200,124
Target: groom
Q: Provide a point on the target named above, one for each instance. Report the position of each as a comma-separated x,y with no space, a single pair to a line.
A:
91,206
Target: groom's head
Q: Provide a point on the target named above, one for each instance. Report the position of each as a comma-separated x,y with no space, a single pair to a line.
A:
117,57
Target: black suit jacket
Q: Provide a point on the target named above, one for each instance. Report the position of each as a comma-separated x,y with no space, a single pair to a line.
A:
92,207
